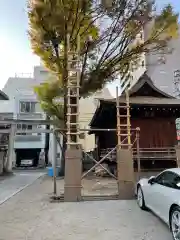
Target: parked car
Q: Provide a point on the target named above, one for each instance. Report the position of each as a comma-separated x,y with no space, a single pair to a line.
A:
26,162
161,194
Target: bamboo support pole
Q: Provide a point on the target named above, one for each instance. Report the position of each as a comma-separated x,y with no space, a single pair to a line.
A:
128,119
138,151
118,119
73,92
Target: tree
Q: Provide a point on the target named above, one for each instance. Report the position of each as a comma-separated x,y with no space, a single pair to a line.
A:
107,33
50,94
54,109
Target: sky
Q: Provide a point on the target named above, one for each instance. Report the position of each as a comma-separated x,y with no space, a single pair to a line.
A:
15,52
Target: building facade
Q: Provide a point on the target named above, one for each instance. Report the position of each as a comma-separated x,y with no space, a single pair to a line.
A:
3,137
24,105
163,69
87,109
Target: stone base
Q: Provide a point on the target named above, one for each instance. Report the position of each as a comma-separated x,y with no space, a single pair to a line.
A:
126,190
178,155
72,180
125,171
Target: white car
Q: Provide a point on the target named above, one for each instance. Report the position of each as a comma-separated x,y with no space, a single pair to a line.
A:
161,194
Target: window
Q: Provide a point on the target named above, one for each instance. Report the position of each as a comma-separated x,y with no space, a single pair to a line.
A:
169,179
27,107
24,127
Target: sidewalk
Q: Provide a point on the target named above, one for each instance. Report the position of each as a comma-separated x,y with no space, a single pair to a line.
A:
13,184
30,216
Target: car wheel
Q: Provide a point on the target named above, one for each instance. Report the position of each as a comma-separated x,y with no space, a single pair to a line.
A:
175,223
140,198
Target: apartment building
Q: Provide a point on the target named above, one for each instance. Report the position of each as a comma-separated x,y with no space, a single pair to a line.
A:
164,70
23,105
3,137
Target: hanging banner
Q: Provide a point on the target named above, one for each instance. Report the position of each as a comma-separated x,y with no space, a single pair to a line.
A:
178,135
178,128
178,123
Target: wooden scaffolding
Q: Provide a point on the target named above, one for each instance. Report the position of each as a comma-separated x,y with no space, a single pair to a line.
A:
123,122
73,86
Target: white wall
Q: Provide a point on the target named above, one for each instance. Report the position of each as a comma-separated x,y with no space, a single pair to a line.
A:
16,84
87,108
28,144
163,74
19,84
41,74
7,106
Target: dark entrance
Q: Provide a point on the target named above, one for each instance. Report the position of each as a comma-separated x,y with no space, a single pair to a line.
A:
23,154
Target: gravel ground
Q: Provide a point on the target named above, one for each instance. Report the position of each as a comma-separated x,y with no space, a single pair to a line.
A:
30,216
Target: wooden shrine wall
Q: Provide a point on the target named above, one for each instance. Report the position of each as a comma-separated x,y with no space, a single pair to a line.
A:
154,133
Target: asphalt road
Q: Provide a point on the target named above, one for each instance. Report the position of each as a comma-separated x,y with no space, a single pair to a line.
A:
12,185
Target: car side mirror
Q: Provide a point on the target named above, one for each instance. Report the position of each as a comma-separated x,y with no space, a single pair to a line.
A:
151,180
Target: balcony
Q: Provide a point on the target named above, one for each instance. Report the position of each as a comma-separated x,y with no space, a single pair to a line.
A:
30,116
28,138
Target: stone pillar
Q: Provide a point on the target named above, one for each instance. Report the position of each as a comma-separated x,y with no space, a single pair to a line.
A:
14,159
11,154
73,172
177,147
125,171
1,162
